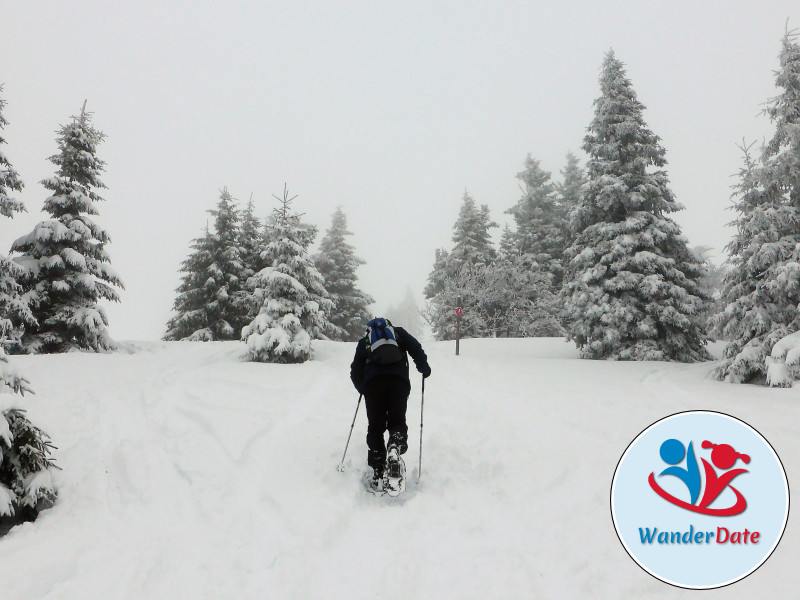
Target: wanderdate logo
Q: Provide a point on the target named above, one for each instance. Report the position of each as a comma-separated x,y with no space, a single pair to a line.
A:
723,457
699,499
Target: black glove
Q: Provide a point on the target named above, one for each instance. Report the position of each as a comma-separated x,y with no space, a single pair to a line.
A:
426,372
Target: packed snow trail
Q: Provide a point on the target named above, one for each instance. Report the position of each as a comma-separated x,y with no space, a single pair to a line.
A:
189,473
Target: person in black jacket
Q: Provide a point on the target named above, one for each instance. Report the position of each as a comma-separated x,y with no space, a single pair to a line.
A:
386,388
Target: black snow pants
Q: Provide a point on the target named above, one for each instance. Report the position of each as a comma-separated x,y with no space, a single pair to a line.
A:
386,399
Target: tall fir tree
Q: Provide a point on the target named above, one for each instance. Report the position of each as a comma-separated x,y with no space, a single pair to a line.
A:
26,466
9,178
191,321
712,283
761,290
438,274
631,291
25,463
508,243
520,294
520,298
14,311
569,190
449,281
227,310
540,221
337,263
68,266
458,289
15,314
472,239
251,242
754,317
210,304
292,294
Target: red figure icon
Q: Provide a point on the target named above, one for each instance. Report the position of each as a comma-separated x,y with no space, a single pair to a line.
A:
724,457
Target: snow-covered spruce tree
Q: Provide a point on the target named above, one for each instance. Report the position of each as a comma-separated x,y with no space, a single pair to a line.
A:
190,321
458,289
15,313
472,245
251,245
508,243
472,240
540,221
12,308
631,291
227,309
337,263
472,249
570,190
68,267
712,283
291,291
518,293
756,315
210,304
530,309
761,288
26,486
26,482
251,239
438,273
9,178
510,298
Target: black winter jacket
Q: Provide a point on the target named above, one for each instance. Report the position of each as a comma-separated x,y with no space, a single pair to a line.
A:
362,370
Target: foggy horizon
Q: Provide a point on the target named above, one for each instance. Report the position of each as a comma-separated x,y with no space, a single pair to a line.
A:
391,113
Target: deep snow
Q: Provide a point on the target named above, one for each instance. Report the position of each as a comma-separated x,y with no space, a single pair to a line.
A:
188,473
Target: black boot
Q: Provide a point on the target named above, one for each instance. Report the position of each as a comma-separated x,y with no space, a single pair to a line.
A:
376,459
400,440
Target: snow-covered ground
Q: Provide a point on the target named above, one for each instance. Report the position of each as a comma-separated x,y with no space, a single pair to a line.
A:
188,473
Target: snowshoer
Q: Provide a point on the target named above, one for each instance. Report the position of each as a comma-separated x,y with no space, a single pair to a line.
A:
380,372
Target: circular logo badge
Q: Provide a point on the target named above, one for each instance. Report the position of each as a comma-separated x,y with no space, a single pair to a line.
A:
699,499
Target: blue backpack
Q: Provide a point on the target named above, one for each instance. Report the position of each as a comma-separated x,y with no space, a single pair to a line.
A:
382,348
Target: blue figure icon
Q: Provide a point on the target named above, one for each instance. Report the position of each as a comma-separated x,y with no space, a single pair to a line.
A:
672,452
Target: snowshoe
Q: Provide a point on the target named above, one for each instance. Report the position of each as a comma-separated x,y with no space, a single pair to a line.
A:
375,483
395,479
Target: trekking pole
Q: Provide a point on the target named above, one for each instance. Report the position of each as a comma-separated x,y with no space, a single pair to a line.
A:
340,466
421,409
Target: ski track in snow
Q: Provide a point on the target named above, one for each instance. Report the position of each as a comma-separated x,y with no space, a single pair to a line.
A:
189,473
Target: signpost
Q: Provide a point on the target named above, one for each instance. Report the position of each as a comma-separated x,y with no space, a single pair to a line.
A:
459,312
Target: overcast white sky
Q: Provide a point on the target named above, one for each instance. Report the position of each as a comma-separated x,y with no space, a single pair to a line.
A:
388,109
